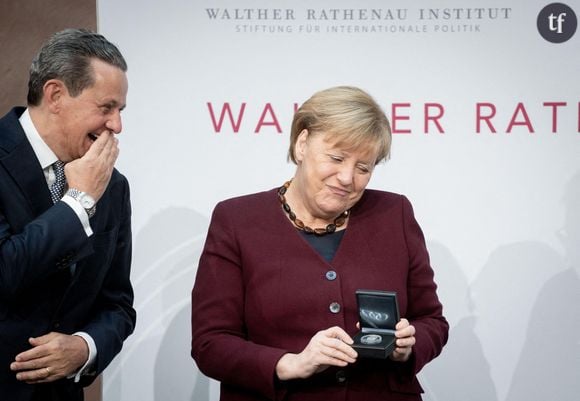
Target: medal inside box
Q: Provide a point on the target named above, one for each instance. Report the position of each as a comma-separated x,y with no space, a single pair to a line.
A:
378,316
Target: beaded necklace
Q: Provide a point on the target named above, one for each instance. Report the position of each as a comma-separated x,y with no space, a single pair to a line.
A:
299,224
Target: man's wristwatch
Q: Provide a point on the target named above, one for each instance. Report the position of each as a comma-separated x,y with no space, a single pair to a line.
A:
85,200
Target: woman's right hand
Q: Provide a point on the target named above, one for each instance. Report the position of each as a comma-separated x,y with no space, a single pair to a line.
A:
330,347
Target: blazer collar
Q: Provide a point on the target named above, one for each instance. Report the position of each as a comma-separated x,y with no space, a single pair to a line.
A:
20,162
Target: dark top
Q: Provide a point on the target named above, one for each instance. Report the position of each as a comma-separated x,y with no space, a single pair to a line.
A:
325,245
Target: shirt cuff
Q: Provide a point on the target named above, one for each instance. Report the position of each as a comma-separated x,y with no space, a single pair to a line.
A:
80,212
86,368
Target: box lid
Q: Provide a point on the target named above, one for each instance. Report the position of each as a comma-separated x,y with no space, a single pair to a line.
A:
378,310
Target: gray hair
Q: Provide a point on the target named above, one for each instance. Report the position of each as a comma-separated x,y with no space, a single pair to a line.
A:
67,56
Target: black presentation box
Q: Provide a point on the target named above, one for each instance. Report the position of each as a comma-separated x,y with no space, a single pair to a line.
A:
378,314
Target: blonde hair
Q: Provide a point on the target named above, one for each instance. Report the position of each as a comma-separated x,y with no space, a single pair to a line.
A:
350,117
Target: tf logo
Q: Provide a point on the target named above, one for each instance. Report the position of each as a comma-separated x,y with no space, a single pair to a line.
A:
557,22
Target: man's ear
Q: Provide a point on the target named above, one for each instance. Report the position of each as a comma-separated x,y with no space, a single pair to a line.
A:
53,92
300,146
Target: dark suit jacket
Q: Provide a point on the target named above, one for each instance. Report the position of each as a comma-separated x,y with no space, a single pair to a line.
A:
38,243
261,291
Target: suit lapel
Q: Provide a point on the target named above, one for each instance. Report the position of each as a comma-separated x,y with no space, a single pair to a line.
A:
21,164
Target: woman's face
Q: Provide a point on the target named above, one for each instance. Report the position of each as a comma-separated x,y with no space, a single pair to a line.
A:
331,179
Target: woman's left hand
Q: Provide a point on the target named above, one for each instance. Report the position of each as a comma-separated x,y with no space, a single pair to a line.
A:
405,334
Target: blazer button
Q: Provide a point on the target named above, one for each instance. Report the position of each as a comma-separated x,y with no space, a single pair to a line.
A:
334,307
330,275
340,376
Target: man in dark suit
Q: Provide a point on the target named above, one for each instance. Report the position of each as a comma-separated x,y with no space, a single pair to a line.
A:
65,247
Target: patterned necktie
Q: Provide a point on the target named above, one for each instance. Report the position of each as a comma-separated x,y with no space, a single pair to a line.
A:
57,188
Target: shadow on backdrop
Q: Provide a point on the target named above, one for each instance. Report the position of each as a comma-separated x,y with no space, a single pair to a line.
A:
166,253
461,372
504,293
176,376
549,364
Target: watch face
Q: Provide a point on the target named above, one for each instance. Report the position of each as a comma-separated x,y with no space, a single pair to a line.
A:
87,201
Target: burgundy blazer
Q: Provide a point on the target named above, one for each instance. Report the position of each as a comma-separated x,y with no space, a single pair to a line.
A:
261,291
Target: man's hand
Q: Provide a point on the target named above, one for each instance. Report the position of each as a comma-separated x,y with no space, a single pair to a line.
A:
92,172
52,357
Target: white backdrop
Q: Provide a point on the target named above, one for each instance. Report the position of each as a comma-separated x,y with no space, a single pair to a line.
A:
499,210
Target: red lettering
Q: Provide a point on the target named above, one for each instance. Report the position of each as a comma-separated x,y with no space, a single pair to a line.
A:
435,119
554,106
217,126
526,120
274,122
395,118
487,118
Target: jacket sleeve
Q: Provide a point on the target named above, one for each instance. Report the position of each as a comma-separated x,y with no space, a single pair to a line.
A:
42,246
114,317
424,311
219,340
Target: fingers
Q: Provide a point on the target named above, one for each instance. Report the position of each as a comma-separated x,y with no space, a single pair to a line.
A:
102,143
107,155
113,152
38,351
336,346
332,347
404,330
406,342
99,144
401,354
32,366
36,341
52,357
105,149
337,332
401,324
336,353
405,334
92,172
42,375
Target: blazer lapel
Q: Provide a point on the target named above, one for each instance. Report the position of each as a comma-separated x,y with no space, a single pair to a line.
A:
21,164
